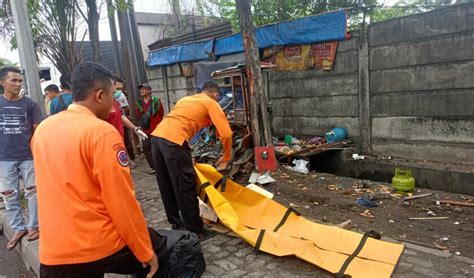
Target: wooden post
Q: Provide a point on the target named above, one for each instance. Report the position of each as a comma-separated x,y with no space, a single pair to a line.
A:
258,104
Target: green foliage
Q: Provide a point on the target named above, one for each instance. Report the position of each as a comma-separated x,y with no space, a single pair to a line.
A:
360,12
7,63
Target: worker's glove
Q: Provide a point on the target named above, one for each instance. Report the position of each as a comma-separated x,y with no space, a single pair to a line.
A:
141,135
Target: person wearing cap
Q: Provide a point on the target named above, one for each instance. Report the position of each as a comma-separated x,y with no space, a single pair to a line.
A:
149,110
172,155
91,222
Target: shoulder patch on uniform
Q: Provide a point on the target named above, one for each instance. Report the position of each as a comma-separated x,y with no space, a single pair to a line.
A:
118,146
122,157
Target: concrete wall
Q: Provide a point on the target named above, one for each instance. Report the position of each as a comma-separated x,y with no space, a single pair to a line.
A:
311,102
405,88
422,85
171,89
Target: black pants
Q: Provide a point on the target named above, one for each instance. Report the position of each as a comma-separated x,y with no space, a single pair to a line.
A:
122,262
176,180
128,143
146,144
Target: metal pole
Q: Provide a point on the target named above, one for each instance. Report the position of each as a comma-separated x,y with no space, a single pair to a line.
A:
26,50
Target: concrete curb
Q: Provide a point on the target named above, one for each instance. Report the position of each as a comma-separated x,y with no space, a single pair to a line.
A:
28,250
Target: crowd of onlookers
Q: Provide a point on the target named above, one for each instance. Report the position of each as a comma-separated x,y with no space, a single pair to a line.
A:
75,165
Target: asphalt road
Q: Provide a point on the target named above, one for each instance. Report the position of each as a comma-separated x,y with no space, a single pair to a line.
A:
11,265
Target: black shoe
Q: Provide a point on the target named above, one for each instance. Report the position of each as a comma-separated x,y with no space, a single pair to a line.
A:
206,234
177,226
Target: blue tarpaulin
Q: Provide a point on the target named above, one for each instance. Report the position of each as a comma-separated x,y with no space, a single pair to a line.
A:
307,30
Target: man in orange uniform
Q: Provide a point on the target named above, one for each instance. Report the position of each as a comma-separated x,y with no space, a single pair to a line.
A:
172,155
91,223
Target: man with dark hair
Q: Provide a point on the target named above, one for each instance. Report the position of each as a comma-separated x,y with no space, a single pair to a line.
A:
150,112
50,92
91,223
19,117
172,155
62,102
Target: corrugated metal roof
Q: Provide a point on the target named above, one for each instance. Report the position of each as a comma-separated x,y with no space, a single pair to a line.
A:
214,31
105,52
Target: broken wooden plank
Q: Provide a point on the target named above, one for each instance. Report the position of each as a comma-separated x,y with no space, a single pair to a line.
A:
456,203
429,218
416,197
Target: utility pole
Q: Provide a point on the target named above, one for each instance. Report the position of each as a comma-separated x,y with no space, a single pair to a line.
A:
129,72
27,51
113,31
258,102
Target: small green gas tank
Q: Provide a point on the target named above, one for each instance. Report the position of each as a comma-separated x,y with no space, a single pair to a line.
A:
403,180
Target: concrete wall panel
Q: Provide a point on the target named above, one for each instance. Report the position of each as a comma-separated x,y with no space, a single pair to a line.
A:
336,106
311,126
293,85
176,95
156,84
154,73
432,77
350,44
430,103
438,22
426,129
437,50
440,152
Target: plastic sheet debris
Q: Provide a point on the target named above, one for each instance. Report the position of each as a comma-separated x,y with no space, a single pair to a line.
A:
300,166
357,156
262,179
260,190
366,203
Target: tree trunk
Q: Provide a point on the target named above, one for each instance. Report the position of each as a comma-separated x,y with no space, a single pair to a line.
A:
93,26
258,103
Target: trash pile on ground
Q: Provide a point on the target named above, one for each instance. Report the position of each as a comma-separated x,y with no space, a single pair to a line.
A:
207,149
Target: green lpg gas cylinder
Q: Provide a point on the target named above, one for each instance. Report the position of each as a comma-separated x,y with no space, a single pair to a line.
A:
403,180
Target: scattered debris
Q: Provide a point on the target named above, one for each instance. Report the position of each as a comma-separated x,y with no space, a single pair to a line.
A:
347,225
265,179
428,218
431,213
457,253
416,196
379,195
437,245
367,214
357,156
391,221
262,179
366,203
260,190
456,223
207,212
444,238
456,203
300,166
458,210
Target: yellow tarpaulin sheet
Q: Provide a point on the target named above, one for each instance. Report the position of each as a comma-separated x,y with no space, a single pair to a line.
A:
280,231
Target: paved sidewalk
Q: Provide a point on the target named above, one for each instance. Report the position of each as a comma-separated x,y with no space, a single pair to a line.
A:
231,257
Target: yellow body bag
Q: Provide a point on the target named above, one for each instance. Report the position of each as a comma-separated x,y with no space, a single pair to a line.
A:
275,229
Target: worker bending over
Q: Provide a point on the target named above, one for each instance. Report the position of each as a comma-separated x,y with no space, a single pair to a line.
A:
172,154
